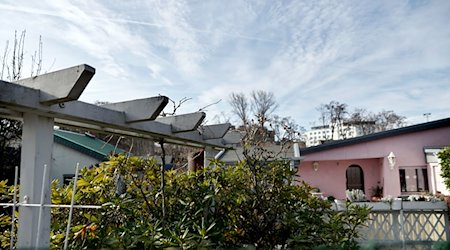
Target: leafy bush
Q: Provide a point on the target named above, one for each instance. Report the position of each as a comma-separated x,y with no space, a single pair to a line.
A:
6,194
444,156
216,207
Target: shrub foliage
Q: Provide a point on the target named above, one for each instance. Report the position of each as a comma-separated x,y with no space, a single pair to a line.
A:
444,156
216,207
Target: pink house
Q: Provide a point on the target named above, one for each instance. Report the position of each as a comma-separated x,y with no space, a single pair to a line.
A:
402,161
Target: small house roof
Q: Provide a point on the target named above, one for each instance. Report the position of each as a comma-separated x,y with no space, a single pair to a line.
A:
85,143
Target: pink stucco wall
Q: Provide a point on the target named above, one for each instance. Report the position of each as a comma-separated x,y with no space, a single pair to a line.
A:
330,177
372,157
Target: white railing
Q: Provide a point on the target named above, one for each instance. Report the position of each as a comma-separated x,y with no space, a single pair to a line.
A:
405,223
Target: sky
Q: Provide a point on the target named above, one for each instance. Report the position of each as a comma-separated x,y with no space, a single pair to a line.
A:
377,55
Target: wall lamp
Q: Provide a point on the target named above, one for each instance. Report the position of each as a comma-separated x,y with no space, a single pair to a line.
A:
392,159
315,166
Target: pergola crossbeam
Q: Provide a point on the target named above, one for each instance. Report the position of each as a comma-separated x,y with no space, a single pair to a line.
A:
183,123
62,85
215,131
140,110
80,114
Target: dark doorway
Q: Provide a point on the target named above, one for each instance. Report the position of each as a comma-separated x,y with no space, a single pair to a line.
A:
355,177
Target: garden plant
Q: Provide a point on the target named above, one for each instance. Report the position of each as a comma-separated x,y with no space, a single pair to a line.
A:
215,207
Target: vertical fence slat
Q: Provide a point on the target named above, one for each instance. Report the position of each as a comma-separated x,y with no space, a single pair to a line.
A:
72,200
13,216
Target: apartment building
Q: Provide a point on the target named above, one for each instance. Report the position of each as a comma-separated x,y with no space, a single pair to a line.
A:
321,134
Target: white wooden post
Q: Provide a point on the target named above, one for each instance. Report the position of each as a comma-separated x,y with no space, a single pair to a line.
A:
37,137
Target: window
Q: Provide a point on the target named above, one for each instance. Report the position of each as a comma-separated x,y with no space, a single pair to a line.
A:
413,179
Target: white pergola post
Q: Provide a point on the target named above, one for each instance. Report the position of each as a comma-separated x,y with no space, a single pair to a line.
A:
37,137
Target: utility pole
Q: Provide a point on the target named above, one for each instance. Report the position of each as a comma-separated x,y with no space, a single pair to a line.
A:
427,115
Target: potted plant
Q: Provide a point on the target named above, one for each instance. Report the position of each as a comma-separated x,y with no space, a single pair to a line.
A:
424,202
377,193
355,195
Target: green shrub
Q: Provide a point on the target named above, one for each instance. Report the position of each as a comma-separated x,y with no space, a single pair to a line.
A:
444,156
216,207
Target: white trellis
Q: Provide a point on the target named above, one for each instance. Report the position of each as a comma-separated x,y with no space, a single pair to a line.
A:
49,99
41,205
406,223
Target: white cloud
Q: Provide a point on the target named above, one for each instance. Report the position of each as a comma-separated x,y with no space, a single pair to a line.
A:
155,73
378,55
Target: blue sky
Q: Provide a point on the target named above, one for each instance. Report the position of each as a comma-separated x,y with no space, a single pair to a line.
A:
391,55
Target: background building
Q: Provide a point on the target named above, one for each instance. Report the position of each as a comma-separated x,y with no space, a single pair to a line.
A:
321,134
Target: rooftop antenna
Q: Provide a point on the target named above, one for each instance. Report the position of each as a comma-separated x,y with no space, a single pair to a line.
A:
427,115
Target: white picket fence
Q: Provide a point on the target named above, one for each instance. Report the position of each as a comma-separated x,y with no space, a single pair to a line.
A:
405,223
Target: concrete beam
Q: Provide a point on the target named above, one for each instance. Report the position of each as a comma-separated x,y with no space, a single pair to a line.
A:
62,85
140,110
7,113
213,134
217,141
183,123
84,115
215,131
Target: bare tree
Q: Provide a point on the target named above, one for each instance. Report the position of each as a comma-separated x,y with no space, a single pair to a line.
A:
285,128
388,119
339,119
324,115
363,120
263,104
240,106
11,69
12,64
334,114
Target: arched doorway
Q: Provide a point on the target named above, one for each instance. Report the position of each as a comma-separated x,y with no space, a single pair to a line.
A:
355,177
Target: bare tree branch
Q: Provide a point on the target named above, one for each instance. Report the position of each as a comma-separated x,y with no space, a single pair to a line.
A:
209,105
4,59
36,60
176,106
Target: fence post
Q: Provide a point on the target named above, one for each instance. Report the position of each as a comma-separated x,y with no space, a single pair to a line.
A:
446,225
402,224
